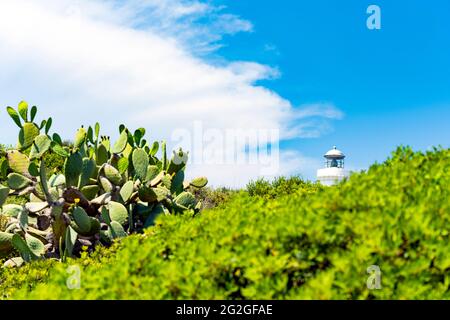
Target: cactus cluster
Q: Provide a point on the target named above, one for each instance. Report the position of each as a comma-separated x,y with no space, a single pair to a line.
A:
105,190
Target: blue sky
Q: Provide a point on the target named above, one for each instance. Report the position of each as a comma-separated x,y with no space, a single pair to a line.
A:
306,68
393,84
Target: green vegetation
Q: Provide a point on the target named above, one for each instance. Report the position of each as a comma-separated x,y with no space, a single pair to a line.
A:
282,186
314,243
212,198
91,192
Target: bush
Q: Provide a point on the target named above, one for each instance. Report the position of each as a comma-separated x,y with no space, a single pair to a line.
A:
211,198
281,186
395,215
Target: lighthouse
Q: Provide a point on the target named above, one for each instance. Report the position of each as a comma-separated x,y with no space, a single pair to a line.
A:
334,170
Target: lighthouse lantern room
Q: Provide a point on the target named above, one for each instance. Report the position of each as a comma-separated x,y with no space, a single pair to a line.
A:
334,170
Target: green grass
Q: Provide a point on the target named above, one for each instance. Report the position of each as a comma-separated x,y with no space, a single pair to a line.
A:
316,244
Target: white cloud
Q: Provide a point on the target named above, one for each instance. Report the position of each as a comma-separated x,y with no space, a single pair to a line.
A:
137,62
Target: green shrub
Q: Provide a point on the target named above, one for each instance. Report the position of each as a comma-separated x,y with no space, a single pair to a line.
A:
281,186
211,198
396,215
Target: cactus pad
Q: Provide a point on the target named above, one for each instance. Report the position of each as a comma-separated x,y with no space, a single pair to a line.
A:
17,181
121,143
27,135
81,219
113,175
18,162
200,182
4,192
140,163
40,146
127,190
73,168
118,212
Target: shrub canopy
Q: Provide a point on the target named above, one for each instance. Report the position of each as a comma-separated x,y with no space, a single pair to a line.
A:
396,216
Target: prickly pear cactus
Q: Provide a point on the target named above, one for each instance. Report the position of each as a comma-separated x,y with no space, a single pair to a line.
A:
105,191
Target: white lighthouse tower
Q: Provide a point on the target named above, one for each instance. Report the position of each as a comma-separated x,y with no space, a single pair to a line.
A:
334,170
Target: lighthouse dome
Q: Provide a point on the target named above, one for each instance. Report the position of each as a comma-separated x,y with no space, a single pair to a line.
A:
334,154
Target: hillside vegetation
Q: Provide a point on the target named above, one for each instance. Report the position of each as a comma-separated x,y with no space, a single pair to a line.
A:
308,243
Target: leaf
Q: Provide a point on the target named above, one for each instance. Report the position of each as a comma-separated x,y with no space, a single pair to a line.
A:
185,200
12,210
127,190
147,194
35,245
56,138
27,135
43,123
57,180
70,239
72,169
40,146
90,135
17,181
155,213
106,184
117,230
33,113
4,192
118,212
167,181
97,130
155,148
23,110
87,171
6,242
138,134
105,215
200,182
128,151
22,246
48,125
140,163
90,192
23,219
3,169
152,172
15,116
164,155
122,165
121,143
112,174
81,218
101,155
59,150
33,169
162,193
102,199
177,183
80,137
18,162
35,207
